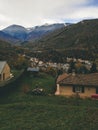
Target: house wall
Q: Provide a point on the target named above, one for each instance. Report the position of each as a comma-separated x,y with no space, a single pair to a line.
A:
88,91
5,72
68,91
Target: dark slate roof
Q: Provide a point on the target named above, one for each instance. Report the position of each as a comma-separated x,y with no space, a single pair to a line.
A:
2,64
81,79
33,69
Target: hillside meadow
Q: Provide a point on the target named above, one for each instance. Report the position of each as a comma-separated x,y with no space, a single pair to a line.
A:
20,110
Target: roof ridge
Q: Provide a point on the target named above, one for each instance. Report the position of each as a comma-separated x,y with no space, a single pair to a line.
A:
59,76
81,79
65,77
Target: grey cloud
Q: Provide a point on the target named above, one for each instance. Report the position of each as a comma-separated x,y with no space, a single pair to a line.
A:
36,12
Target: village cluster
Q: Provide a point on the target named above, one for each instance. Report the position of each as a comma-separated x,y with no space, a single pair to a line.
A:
37,65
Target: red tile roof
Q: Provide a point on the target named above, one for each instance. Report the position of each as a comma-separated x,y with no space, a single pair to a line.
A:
61,77
80,79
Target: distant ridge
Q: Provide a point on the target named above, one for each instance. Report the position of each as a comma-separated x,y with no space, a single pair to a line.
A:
18,34
16,31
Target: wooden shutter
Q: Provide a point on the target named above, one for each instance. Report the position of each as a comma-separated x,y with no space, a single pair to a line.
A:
74,89
82,89
96,90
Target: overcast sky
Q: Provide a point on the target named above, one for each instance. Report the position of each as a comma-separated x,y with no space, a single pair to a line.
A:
29,13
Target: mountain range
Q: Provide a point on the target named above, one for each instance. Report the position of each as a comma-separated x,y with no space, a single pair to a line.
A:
17,34
72,40
80,36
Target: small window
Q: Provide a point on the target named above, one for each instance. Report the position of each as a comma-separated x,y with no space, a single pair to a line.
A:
79,89
0,76
96,90
3,76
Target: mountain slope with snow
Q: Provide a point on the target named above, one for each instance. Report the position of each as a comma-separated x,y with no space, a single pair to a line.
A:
22,34
16,31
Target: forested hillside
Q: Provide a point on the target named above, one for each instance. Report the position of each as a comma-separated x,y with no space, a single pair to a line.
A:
82,36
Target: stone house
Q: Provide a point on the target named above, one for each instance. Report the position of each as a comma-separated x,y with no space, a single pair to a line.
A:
85,85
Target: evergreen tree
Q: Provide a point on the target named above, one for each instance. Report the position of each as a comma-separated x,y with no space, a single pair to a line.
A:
93,68
72,66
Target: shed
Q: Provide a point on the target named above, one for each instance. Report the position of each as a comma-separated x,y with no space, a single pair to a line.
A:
4,71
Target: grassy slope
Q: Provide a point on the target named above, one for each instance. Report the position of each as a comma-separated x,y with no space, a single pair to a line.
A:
20,111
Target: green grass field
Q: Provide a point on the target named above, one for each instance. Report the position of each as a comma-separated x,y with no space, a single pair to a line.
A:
22,111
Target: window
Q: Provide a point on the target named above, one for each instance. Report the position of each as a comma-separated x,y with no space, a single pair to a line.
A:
79,89
96,90
3,76
0,76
